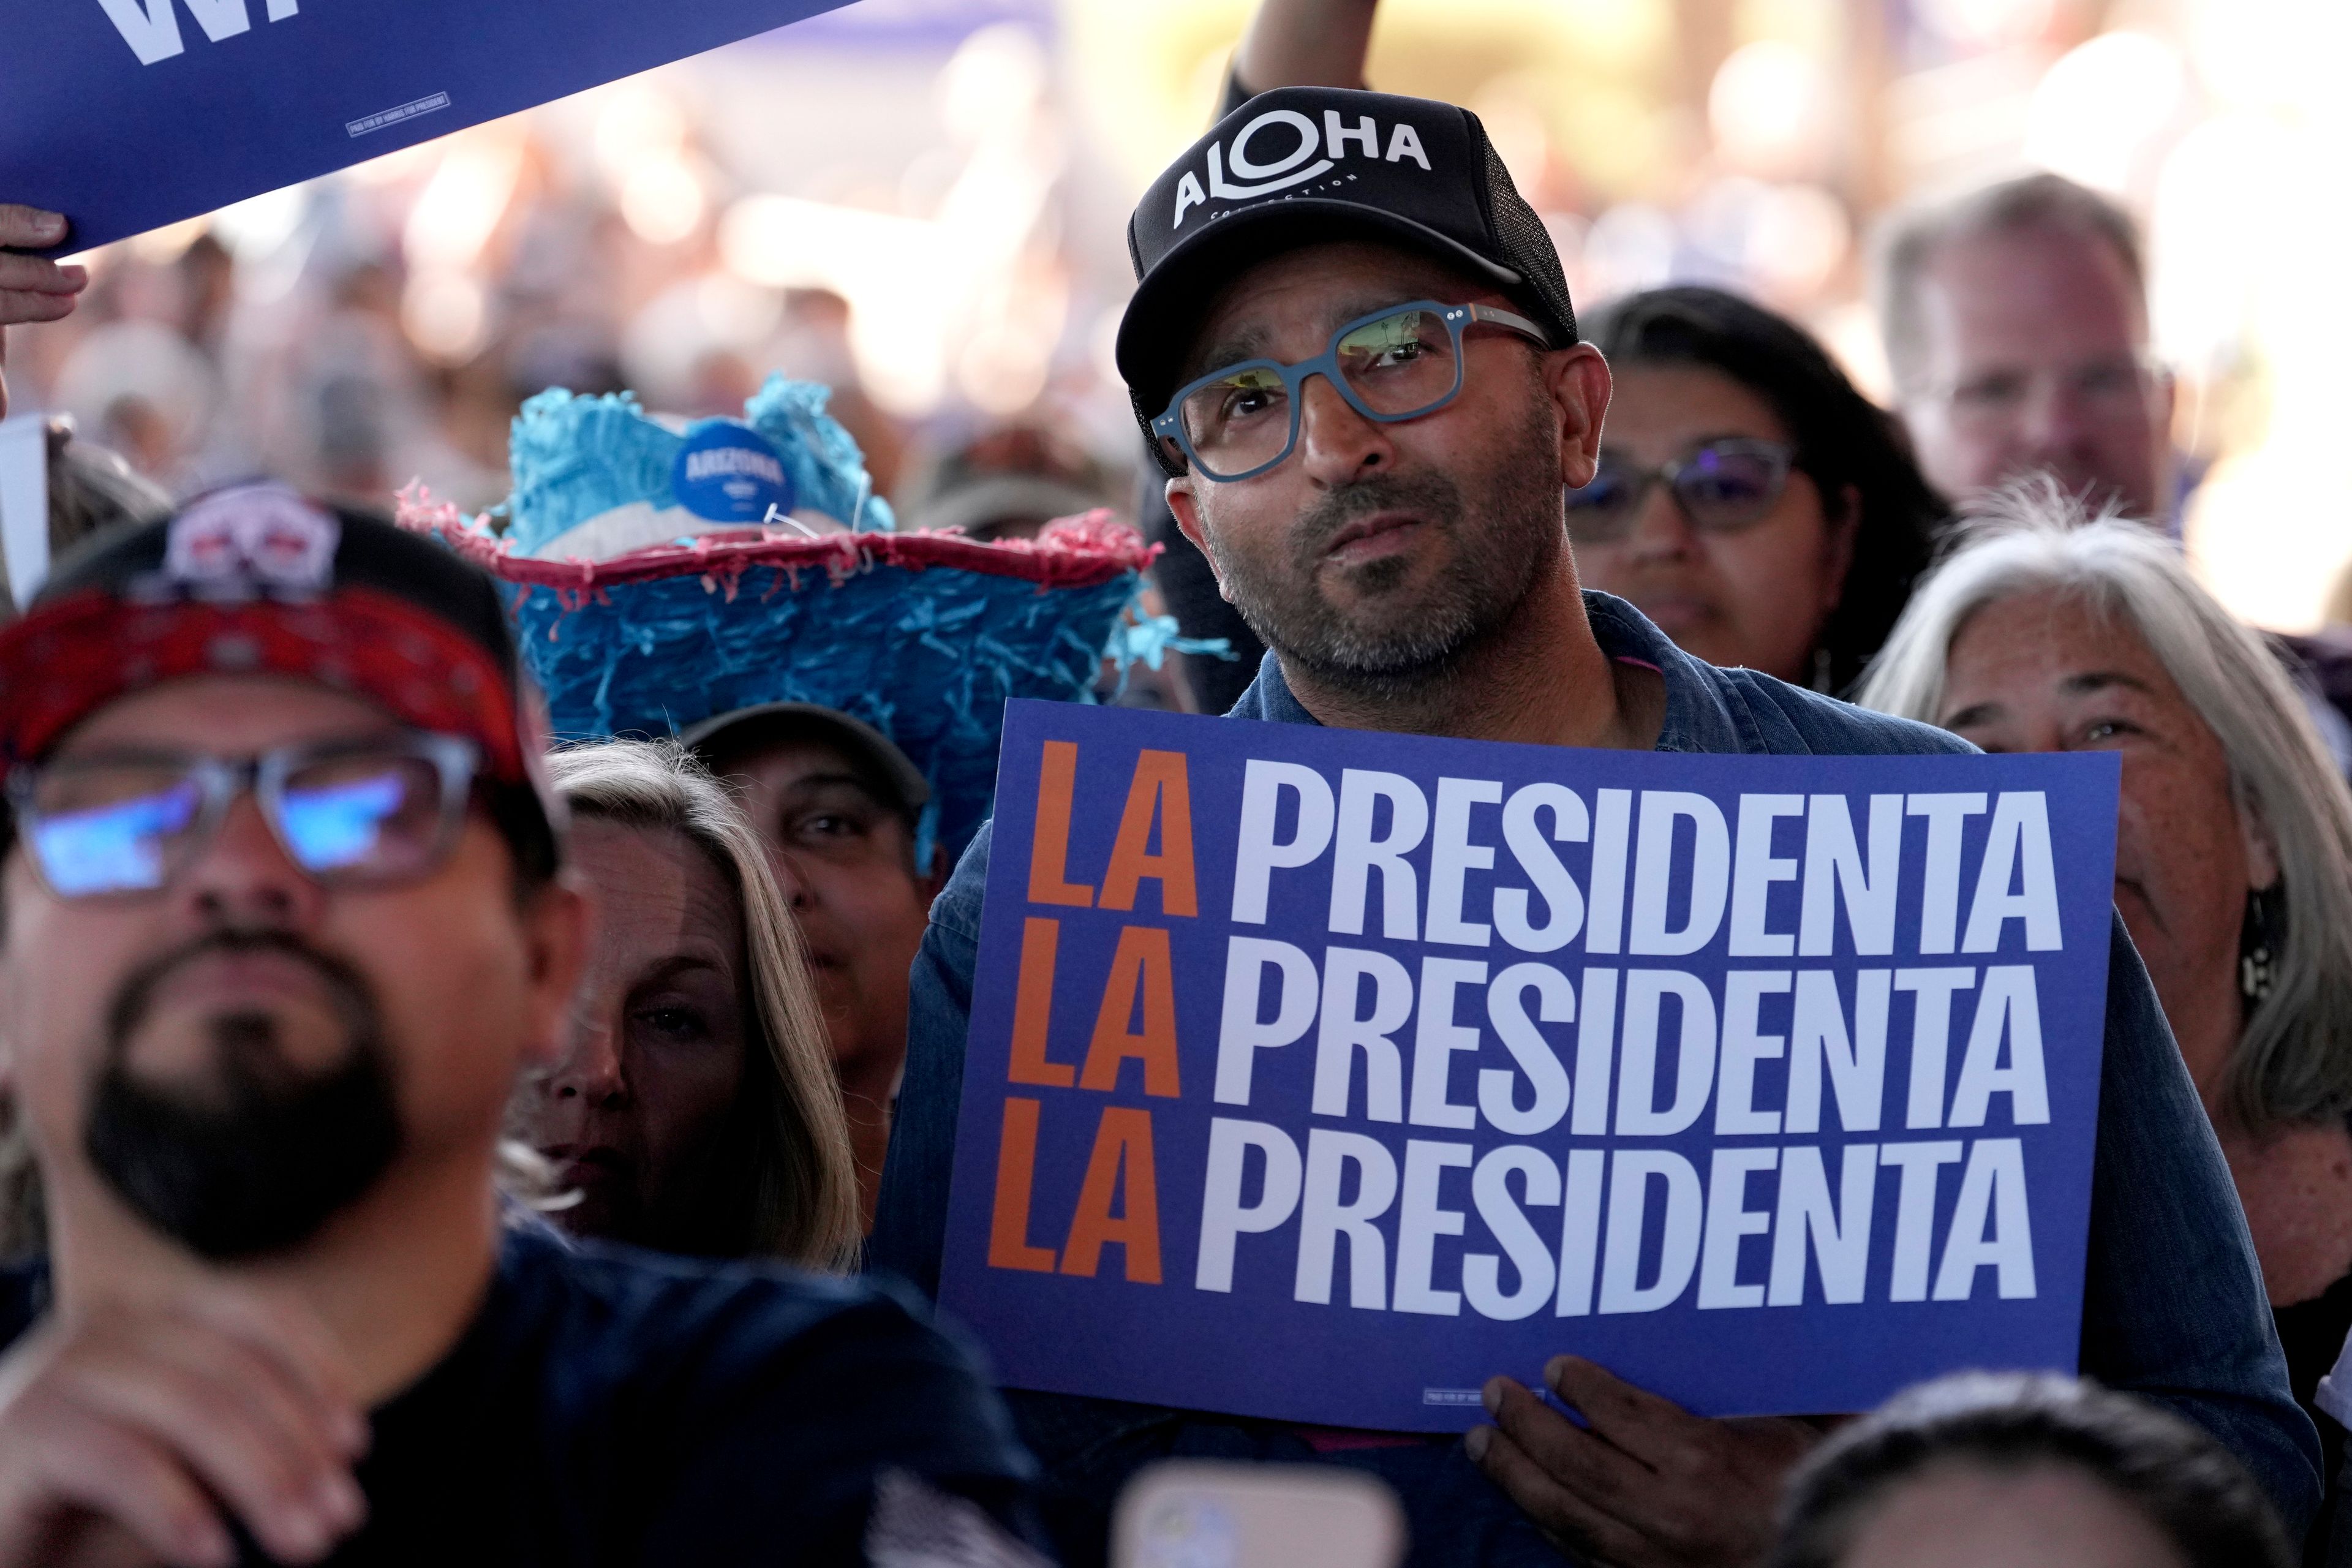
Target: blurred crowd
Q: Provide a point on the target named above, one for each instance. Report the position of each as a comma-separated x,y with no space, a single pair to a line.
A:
346,1020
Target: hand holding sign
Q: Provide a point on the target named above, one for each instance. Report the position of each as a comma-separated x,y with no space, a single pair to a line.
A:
1346,1070
1649,1485
32,289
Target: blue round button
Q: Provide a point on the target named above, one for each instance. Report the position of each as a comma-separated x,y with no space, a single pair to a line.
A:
729,472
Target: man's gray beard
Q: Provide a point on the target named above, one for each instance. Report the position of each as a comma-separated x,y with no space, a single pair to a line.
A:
1504,540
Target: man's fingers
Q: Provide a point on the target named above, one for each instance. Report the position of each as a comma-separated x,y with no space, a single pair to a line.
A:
293,1498
38,275
1653,1430
29,228
291,1339
1574,1524
21,305
296,1421
114,1473
1603,1475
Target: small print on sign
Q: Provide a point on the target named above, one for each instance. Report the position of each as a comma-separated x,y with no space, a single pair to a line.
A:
143,112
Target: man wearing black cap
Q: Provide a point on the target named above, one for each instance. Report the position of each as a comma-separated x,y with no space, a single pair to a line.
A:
1354,353
840,808
282,917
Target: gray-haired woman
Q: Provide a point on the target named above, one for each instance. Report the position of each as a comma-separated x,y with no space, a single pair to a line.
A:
2042,631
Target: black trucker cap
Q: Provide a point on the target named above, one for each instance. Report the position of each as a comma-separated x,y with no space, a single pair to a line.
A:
256,580
727,738
1304,164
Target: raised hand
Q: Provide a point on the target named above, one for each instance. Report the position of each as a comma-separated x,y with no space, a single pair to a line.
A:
32,289
123,1429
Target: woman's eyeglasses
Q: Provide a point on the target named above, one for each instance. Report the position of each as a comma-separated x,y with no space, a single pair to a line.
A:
1723,487
348,813
1397,364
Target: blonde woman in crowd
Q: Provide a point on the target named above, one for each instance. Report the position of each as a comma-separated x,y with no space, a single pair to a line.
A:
696,1109
2045,631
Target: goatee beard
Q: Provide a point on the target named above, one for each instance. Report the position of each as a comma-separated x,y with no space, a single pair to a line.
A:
257,1159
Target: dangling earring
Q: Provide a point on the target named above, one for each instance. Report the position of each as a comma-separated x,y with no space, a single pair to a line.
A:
1821,671
2260,942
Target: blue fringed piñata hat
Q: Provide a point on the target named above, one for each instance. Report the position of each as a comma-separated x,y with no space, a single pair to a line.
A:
661,577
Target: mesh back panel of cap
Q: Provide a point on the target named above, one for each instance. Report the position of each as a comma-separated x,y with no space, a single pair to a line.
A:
1525,244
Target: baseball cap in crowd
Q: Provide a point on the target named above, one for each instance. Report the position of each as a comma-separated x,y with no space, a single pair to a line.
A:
1308,165
1008,482
255,580
884,769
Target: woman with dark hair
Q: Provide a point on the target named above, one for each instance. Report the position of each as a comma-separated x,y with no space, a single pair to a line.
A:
1987,1470
1750,501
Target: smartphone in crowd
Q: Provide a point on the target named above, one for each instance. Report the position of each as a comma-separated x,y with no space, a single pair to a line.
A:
1188,1513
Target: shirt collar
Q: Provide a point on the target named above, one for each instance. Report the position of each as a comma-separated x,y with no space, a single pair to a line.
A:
1697,718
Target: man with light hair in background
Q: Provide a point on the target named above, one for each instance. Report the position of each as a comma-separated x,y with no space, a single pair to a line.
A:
2017,330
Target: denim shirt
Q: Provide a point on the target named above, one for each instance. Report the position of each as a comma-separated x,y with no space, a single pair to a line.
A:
2173,1305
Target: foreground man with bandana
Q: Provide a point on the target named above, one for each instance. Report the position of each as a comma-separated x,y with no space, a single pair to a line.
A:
282,914
1353,351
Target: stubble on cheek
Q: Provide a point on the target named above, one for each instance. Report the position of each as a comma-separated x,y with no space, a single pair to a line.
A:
1403,618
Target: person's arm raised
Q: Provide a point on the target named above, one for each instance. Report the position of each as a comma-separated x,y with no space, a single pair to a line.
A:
32,289
1306,42
148,1424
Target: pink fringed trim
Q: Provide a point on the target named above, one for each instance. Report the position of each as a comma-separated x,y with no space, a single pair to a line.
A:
1071,552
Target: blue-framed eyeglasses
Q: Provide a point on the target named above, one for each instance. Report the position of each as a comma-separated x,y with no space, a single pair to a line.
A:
1393,365
377,811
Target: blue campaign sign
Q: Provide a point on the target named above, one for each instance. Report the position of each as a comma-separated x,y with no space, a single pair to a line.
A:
1323,1074
128,114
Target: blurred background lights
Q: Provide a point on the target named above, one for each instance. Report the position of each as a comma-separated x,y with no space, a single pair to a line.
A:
1001,370
1630,246
1988,23
921,203
997,75
258,226
637,122
1511,111
460,205
446,314
2099,112
1770,109
662,200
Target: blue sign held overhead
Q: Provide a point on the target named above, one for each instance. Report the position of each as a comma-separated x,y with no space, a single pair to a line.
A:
126,115
1323,1075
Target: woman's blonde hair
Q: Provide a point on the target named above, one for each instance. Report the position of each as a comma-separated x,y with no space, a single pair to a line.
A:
2294,1063
805,1204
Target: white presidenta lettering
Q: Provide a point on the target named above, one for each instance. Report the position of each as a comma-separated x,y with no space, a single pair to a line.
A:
1295,167
1878,1076
1755,1231
1664,876
151,27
